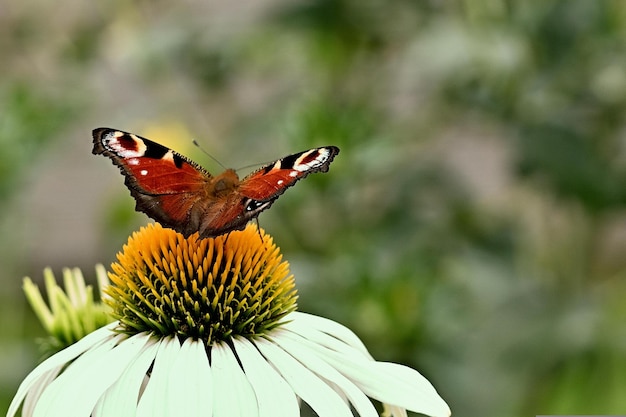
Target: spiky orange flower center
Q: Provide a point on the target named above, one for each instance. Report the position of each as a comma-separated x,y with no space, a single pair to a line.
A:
202,288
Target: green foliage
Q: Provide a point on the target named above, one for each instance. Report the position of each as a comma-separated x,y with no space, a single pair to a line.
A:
28,121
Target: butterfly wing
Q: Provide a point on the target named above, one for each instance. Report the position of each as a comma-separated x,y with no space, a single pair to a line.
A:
165,184
262,187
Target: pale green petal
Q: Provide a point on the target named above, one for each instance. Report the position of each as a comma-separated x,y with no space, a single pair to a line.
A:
393,411
35,392
192,381
274,395
121,398
75,286
77,390
387,382
157,399
315,327
58,360
234,396
294,345
308,386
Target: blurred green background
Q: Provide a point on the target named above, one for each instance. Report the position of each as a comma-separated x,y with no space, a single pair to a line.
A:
473,226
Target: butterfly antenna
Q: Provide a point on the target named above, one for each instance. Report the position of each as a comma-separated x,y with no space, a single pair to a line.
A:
257,165
197,145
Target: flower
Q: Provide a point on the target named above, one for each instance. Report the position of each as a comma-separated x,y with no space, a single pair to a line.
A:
209,327
70,316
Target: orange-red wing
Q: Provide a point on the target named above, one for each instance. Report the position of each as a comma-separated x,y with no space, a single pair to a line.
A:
149,168
164,183
269,182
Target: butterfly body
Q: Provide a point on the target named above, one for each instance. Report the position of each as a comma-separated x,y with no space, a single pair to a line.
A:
180,194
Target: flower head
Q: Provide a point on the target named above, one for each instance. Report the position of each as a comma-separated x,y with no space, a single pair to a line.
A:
207,289
209,328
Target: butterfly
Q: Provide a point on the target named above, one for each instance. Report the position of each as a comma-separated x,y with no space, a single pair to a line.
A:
181,195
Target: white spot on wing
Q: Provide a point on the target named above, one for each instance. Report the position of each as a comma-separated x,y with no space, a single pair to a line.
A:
293,173
144,172
279,182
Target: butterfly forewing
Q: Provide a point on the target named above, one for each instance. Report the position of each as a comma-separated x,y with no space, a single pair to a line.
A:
149,167
272,180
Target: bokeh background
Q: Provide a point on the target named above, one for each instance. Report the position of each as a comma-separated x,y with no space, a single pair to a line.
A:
473,225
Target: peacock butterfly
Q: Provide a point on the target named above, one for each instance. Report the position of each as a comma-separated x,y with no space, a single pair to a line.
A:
181,195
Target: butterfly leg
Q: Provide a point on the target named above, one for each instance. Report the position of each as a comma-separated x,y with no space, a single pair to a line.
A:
227,236
258,228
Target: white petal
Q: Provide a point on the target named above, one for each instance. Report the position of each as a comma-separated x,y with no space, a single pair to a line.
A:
35,392
121,398
192,382
388,382
157,399
308,386
393,411
312,327
77,390
58,360
274,395
294,345
233,393
333,336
